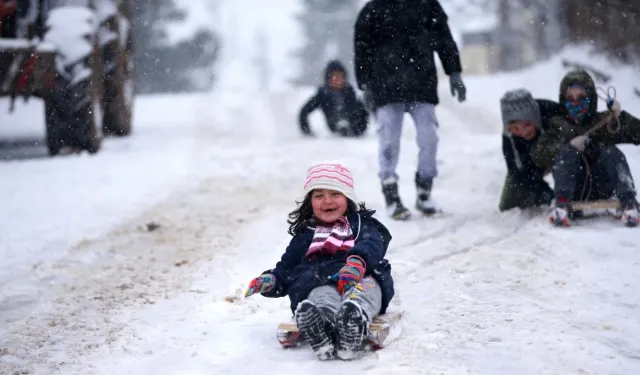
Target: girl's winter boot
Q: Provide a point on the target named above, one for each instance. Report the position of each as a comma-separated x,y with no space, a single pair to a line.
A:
316,329
352,328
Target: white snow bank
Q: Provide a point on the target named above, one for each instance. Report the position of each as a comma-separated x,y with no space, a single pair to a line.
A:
51,204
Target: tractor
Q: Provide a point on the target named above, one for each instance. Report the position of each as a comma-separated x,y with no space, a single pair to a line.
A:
76,55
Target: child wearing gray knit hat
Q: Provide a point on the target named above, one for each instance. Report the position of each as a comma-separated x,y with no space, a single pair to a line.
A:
519,105
524,120
520,117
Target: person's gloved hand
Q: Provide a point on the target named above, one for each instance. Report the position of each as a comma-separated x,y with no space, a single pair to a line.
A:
304,127
580,142
614,106
350,274
261,284
457,86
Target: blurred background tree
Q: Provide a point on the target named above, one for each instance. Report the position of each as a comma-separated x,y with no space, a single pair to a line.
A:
166,66
613,26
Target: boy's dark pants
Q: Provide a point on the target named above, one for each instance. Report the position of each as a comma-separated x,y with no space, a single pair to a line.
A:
595,174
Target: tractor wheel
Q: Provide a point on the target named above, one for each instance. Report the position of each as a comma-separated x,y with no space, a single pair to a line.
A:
54,128
69,117
69,105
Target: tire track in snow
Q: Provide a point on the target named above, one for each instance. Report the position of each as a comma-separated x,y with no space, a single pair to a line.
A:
444,243
476,245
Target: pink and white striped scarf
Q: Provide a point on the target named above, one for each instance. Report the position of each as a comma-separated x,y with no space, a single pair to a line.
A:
329,239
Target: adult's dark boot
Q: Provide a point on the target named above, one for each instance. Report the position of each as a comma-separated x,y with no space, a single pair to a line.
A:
424,202
395,209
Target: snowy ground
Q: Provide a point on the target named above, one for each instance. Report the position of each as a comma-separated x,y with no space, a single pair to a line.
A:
85,288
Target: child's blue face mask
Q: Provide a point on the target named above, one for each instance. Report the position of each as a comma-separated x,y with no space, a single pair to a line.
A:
578,109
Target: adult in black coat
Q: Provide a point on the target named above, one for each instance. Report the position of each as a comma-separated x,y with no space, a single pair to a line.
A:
344,113
395,42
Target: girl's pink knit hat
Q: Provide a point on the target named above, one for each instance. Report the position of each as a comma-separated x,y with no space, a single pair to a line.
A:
332,176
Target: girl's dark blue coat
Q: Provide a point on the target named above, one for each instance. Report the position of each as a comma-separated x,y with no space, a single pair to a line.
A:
296,275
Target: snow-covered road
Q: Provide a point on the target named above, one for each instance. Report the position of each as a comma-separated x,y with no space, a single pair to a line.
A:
86,288
484,292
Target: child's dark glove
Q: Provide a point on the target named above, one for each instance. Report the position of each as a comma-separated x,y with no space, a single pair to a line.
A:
304,127
350,274
261,284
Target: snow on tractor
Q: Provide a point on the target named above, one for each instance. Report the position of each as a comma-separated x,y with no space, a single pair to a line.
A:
77,56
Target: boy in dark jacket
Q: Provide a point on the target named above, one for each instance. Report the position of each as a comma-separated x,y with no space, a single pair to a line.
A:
524,119
580,146
395,43
333,270
344,113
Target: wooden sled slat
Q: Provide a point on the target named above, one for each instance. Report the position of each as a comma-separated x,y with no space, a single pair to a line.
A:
602,204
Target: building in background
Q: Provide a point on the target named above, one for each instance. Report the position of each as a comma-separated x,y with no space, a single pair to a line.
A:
516,35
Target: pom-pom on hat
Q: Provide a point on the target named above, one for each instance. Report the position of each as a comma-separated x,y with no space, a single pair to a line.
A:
332,176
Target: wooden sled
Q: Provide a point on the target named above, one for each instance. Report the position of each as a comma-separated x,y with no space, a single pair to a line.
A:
382,331
603,204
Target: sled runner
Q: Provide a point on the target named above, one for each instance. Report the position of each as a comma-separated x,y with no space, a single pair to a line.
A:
383,330
597,208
